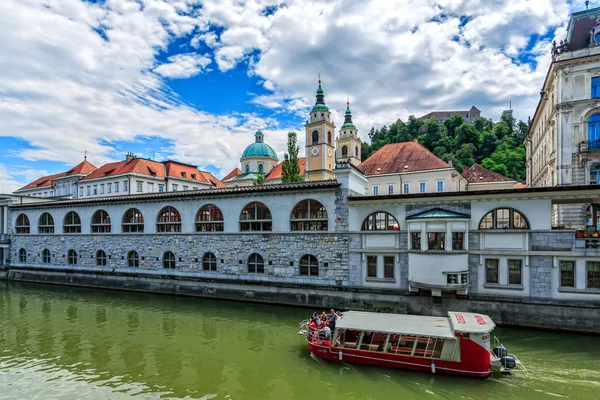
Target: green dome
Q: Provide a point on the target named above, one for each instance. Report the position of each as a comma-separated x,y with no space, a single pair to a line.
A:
348,126
259,149
320,107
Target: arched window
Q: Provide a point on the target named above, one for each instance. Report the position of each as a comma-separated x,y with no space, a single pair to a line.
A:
255,217
46,223
22,255
101,222
344,151
169,220
209,219
256,264
594,131
209,262
133,221
72,257
356,151
315,137
309,265
380,221
260,168
504,218
309,215
133,260
247,168
100,258
72,223
168,260
329,138
46,256
22,224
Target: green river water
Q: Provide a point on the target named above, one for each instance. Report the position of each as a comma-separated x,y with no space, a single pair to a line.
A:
72,343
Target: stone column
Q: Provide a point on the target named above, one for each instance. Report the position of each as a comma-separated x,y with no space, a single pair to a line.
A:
5,219
448,243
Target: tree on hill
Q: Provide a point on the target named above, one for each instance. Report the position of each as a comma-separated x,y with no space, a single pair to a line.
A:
497,147
290,170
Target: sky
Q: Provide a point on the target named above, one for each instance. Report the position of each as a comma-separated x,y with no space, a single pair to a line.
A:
192,80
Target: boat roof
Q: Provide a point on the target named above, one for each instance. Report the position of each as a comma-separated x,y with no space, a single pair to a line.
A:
438,327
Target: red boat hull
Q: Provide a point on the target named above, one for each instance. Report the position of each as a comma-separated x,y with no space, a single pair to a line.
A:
473,362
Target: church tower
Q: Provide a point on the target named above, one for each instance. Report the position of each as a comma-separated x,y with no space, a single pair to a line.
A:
320,150
348,142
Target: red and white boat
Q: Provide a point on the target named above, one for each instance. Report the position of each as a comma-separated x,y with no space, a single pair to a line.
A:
458,344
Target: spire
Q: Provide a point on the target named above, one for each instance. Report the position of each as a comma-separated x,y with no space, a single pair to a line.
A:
259,137
320,95
348,115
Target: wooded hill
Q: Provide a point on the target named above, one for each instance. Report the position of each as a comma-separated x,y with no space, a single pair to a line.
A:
497,147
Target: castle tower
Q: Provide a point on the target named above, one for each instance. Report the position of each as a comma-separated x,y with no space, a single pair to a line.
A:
320,150
348,142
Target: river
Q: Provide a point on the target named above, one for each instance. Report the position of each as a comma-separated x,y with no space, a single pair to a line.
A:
74,343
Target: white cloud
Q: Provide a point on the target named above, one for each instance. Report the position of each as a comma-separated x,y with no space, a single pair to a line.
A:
183,65
84,75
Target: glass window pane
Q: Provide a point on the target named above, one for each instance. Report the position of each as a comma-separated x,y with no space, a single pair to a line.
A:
491,271
372,266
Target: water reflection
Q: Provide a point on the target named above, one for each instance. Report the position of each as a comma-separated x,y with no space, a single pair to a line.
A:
57,342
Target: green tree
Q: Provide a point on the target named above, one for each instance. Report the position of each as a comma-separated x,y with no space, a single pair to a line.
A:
452,123
290,170
466,133
508,160
259,180
483,124
489,143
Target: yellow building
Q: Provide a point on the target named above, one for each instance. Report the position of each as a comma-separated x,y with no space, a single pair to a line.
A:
320,150
348,142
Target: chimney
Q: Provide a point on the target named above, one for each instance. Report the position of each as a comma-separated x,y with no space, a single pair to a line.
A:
129,156
450,162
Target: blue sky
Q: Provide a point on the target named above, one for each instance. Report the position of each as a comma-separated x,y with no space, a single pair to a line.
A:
193,79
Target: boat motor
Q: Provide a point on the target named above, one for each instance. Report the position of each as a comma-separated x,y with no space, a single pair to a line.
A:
508,362
500,351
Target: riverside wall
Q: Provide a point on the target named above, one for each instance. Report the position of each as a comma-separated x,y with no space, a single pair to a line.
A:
575,316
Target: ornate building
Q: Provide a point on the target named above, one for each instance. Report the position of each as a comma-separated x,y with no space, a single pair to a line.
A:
563,144
320,149
348,142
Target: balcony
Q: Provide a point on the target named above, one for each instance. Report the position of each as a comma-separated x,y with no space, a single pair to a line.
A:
589,146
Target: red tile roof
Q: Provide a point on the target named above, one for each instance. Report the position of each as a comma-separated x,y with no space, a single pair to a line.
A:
212,179
478,174
401,157
235,172
520,185
276,171
83,168
140,166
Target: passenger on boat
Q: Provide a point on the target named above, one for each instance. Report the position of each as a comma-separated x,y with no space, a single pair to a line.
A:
325,332
315,317
324,316
332,319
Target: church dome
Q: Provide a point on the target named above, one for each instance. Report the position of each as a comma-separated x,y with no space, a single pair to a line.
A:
259,148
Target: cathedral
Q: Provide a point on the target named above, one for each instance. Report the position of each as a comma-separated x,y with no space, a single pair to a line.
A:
321,152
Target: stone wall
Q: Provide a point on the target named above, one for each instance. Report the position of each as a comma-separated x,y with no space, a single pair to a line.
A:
558,240
541,276
281,253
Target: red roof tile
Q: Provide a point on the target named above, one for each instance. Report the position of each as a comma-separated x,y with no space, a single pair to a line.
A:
235,172
83,168
184,171
212,179
478,174
401,157
140,166
520,185
276,171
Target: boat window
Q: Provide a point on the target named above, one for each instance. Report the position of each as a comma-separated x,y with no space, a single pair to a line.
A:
373,341
402,344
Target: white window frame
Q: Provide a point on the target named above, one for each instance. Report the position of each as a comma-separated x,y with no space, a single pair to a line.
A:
375,190
150,187
116,187
102,188
89,190
424,185
125,185
139,186
109,187
95,190
437,185
174,187
390,188
81,191
161,188
406,188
